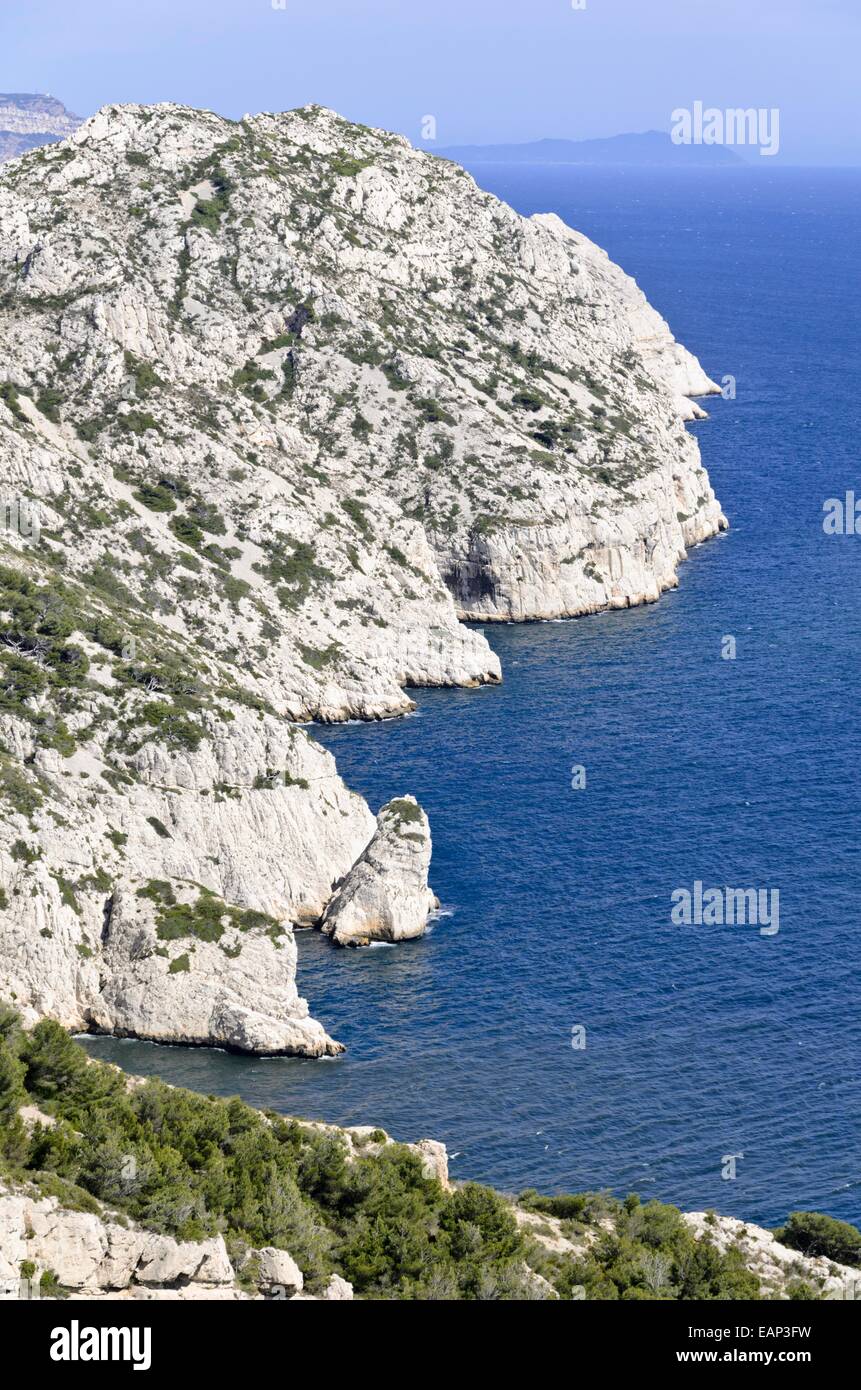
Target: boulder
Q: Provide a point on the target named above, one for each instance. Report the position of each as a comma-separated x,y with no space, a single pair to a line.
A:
385,895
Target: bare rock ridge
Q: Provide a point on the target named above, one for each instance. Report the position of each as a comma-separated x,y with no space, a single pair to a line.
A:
92,1257
282,400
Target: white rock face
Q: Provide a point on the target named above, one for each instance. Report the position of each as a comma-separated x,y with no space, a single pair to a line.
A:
278,1272
775,1265
78,943
667,361
94,1257
385,895
435,1160
338,1290
236,991
281,402
28,119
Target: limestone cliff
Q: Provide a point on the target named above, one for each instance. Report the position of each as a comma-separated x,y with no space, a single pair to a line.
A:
281,401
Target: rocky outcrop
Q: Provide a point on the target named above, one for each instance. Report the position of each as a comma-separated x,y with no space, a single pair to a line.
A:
583,553
385,896
47,1250
776,1266
364,1140
275,1272
667,361
181,966
92,1257
163,907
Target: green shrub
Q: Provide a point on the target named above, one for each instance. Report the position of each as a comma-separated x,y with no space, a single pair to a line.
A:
815,1234
137,422
209,211
249,377
347,165
49,401
186,531
145,377
172,725
295,571
160,829
433,413
528,400
157,496
10,398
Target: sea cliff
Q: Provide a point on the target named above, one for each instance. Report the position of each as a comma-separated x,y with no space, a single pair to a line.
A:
283,400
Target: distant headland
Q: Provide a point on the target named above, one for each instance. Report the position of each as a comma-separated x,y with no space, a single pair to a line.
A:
649,147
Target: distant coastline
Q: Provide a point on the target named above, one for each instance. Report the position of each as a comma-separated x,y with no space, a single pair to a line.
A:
650,148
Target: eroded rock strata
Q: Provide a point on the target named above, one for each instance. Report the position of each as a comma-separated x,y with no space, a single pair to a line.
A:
28,119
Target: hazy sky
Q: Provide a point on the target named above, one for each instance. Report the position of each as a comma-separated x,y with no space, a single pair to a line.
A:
486,69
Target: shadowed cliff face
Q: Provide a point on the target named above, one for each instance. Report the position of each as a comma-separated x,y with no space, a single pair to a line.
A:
470,580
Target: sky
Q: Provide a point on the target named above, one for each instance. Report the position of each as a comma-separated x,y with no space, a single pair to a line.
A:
485,70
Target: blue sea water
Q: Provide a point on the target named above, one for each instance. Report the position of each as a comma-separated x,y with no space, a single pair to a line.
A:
700,1041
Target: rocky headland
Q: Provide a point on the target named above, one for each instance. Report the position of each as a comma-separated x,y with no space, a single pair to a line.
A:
282,401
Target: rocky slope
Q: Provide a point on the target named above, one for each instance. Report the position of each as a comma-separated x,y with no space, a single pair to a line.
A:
28,119
92,1256
283,400
385,896
776,1266
49,1250
101,1254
